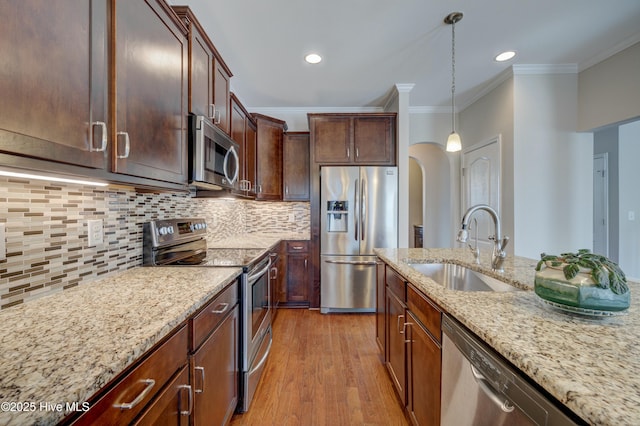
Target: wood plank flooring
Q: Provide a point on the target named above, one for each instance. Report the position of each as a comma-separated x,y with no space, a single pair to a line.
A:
324,369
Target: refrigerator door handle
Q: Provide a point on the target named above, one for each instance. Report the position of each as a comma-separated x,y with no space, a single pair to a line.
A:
363,207
351,262
357,209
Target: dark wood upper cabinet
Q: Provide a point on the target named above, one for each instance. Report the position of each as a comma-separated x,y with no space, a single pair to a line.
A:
269,157
54,81
367,138
209,76
243,132
150,99
295,166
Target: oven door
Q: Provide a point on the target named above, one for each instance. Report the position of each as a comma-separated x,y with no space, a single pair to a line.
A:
214,156
257,308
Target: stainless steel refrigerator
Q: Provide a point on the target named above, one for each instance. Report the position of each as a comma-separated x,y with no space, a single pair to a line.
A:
358,212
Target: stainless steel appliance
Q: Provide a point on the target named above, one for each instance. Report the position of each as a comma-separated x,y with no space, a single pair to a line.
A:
213,156
181,242
479,388
359,212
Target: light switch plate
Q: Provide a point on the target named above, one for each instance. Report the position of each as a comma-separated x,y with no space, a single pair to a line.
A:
3,241
95,232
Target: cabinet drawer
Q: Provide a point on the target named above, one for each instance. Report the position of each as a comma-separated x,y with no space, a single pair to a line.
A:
425,310
212,314
396,284
297,246
132,393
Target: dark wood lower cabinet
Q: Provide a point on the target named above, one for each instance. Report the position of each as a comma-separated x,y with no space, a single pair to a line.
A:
423,374
412,347
294,283
173,406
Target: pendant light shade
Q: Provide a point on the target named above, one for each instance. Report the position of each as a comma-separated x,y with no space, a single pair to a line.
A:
453,142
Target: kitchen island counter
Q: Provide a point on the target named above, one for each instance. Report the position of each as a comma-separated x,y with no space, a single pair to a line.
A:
589,365
64,347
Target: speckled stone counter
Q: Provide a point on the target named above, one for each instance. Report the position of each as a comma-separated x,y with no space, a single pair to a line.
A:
590,365
65,347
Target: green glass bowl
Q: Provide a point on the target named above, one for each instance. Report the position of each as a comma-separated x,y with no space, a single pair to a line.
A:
579,292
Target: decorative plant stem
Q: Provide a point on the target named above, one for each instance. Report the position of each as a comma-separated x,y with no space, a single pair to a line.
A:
604,272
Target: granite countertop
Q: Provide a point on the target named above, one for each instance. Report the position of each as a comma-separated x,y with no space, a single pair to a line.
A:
590,365
64,347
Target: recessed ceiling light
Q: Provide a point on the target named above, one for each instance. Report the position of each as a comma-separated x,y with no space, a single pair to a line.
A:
313,58
505,56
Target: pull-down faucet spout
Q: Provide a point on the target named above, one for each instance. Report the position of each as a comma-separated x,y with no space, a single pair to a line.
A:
499,242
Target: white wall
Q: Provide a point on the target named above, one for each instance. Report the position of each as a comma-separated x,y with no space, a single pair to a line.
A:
488,117
629,149
609,92
553,183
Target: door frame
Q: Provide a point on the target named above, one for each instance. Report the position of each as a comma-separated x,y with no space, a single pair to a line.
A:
605,199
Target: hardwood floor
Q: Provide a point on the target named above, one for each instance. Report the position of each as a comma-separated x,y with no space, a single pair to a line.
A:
324,369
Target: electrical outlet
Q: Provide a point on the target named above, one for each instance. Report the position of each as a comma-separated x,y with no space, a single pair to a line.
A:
3,241
94,232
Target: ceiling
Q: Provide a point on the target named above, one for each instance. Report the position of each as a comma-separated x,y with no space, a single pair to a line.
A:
369,46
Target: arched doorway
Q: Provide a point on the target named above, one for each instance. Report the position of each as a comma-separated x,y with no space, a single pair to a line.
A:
430,194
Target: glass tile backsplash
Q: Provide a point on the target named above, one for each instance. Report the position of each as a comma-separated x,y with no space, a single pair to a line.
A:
46,230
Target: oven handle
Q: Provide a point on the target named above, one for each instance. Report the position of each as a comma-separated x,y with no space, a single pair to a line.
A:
264,357
253,277
351,262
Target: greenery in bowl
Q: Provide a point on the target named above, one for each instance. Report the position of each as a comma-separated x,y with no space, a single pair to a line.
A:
604,272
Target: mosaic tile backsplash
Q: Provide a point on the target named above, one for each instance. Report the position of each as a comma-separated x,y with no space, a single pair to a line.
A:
46,230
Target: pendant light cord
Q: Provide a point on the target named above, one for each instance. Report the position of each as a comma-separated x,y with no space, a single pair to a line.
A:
453,75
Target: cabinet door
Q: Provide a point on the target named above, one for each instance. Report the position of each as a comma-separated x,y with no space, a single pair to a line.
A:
172,406
201,75
373,140
295,166
221,83
297,278
237,131
331,139
423,375
54,80
396,344
250,155
151,91
269,159
215,374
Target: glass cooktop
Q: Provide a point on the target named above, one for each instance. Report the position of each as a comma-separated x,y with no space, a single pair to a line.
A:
232,256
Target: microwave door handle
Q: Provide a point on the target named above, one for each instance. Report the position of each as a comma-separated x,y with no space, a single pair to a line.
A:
231,151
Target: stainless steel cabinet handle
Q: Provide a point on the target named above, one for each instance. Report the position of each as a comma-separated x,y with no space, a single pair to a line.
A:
305,264
297,247
357,153
275,273
201,370
404,331
150,383
401,331
127,144
221,308
103,139
348,153
190,404
357,209
482,382
212,111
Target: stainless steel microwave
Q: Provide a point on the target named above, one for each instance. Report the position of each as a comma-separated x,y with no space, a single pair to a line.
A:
214,161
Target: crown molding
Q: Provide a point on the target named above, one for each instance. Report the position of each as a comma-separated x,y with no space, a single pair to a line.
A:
274,111
430,110
609,52
533,69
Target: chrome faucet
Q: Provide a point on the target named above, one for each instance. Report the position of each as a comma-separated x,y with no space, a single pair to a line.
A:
499,242
474,248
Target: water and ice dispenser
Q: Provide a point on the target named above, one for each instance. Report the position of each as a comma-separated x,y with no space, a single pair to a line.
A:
337,216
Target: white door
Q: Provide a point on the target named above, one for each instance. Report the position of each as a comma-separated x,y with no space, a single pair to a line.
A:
481,185
600,205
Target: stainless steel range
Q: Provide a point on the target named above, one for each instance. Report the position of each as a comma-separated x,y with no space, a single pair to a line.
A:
181,242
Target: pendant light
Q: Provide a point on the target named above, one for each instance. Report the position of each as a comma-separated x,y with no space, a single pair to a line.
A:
453,141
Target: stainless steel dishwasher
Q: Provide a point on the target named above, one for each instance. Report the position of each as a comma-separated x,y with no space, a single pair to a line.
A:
479,388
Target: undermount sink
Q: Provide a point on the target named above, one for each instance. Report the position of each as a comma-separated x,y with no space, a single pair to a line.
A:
457,277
